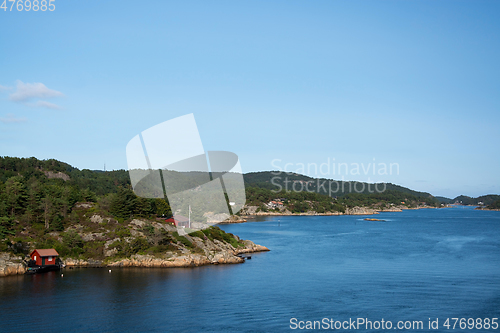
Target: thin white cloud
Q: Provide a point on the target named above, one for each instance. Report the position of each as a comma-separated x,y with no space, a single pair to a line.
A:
10,118
4,88
48,105
29,91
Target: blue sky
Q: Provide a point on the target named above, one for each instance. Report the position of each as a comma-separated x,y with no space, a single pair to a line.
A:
409,82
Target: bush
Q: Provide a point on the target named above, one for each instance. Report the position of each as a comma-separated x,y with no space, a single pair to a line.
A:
198,234
137,245
160,249
105,202
149,229
161,237
126,249
20,248
73,243
183,240
219,234
6,225
4,246
122,232
93,250
338,207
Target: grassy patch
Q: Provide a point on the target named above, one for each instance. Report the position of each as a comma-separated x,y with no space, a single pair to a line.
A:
219,234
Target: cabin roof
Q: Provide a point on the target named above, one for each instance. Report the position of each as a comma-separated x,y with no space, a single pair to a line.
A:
46,252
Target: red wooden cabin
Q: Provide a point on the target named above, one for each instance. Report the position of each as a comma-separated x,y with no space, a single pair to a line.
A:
44,257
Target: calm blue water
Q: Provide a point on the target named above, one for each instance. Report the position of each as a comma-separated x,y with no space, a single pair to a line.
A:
418,265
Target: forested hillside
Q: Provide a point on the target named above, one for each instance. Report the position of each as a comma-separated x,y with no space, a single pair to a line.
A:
329,194
301,202
39,197
91,215
482,200
494,205
275,180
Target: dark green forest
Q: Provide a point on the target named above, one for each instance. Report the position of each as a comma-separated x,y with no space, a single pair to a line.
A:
274,180
301,202
304,193
37,197
494,205
482,200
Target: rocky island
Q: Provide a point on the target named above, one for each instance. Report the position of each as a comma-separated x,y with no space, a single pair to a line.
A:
99,241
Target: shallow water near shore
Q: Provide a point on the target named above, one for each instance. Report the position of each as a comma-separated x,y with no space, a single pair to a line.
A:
418,264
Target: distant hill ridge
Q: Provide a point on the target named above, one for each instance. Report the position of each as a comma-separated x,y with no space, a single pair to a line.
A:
101,182
274,180
483,200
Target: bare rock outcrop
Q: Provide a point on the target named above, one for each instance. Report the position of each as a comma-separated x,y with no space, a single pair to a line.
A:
61,175
360,211
392,209
251,247
96,219
84,205
69,262
11,265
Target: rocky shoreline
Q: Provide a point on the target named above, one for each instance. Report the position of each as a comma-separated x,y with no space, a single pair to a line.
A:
215,253
251,212
488,209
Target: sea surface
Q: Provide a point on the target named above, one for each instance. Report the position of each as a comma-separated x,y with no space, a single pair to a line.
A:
418,265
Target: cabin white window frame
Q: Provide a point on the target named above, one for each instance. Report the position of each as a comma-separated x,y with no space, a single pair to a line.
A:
50,259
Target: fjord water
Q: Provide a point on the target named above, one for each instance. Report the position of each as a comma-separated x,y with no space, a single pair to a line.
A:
419,264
